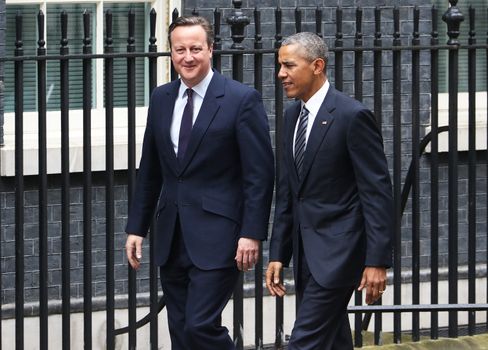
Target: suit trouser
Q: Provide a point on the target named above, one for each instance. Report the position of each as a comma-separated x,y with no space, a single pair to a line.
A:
195,300
322,322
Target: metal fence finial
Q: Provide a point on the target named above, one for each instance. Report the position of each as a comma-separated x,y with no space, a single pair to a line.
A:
453,18
237,21
64,29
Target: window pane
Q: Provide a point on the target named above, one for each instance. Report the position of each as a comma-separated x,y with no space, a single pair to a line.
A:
29,39
75,45
481,28
120,34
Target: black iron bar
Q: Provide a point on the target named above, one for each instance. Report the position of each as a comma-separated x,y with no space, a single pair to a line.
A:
358,94
42,161
237,22
19,186
174,75
336,50
87,186
298,20
415,174
453,18
472,172
109,182
258,270
486,246
434,177
278,99
378,109
217,58
397,176
65,195
131,165
153,269
338,56
318,21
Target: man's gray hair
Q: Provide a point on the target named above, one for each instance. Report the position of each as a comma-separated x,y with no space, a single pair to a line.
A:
313,45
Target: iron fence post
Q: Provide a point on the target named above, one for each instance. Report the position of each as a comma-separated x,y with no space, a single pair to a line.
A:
453,18
434,176
238,22
43,222
19,186
131,165
65,175
278,92
109,182
472,171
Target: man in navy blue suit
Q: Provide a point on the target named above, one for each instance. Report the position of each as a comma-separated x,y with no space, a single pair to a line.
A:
334,200
207,172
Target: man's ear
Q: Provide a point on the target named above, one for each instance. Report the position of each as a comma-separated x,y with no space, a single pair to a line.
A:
319,66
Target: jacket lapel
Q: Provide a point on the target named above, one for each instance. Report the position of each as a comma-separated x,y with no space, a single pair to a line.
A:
320,127
167,106
207,112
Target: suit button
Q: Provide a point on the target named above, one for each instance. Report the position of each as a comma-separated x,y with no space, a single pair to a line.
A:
175,203
301,199
180,179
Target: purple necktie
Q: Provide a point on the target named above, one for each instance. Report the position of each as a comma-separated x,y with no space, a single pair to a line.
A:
186,125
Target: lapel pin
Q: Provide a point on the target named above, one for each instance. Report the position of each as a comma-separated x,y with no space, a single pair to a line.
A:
324,122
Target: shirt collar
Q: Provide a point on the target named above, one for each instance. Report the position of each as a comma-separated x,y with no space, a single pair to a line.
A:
315,102
200,89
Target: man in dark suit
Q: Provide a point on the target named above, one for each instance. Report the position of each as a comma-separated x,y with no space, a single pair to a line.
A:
334,202
207,172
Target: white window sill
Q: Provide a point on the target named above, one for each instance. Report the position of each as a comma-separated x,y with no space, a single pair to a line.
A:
31,152
463,125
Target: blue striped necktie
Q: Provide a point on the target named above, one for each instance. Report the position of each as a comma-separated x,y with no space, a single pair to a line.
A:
300,140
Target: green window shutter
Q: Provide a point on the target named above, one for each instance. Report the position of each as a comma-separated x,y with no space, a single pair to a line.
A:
120,33
75,44
29,38
481,28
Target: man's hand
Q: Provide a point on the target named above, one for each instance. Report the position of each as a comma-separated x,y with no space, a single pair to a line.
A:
374,280
133,248
247,254
273,279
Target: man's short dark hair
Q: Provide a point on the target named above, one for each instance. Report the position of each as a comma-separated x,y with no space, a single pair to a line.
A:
186,21
312,45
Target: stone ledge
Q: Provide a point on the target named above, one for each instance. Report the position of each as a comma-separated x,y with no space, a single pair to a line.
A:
475,342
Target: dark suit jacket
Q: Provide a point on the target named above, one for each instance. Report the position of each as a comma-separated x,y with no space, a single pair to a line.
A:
343,204
222,188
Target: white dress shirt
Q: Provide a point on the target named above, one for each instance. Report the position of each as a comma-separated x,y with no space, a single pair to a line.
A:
313,105
199,92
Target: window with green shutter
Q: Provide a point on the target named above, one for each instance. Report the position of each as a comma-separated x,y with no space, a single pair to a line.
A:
29,39
75,44
481,29
75,11
120,24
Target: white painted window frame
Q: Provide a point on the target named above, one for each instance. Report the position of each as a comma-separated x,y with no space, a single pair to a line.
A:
463,121
163,9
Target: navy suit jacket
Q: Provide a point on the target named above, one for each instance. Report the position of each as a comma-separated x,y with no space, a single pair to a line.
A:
342,204
221,190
